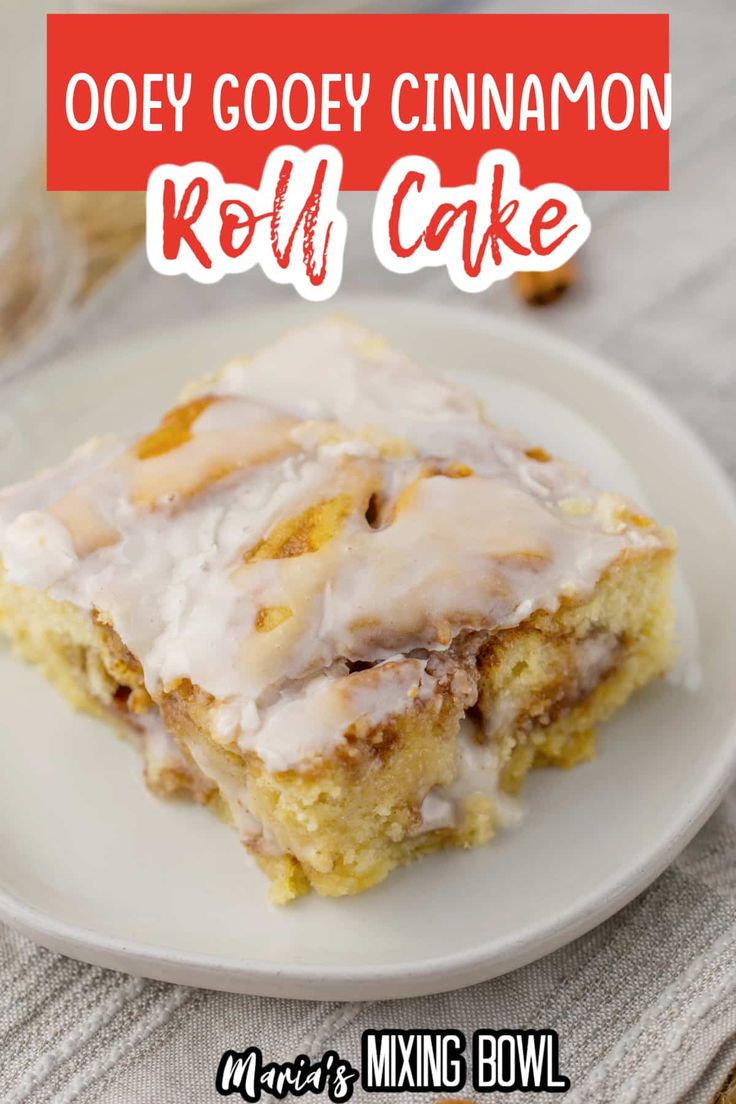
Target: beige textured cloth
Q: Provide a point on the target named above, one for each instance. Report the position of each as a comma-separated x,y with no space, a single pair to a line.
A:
645,1005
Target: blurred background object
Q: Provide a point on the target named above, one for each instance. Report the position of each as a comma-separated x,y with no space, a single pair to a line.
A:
540,288
293,7
56,247
106,225
40,264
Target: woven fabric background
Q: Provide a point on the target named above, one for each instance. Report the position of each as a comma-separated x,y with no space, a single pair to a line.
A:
645,1005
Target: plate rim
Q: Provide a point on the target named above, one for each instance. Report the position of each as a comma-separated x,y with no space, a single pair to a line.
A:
485,960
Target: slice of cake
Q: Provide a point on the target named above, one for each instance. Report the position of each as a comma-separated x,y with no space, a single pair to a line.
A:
301,588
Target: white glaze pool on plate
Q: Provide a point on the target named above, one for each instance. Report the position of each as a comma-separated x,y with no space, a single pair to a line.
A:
92,865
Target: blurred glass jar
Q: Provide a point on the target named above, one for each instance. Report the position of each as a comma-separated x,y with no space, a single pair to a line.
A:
292,7
40,263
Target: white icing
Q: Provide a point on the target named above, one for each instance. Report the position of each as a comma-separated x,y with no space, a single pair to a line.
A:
232,792
51,484
595,655
163,546
313,720
37,550
163,755
477,772
160,748
335,370
687,670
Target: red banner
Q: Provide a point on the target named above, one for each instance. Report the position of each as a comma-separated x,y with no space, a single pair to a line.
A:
580,99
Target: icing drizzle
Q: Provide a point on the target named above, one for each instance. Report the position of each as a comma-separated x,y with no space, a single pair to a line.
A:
323,506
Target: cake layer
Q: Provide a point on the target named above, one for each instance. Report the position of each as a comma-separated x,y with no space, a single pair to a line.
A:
387,791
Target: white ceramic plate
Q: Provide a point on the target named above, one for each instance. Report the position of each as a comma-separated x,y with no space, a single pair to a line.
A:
92,865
